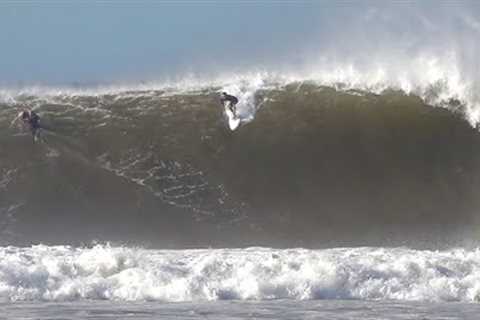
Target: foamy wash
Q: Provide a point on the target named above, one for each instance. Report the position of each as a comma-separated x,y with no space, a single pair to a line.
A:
358,148
114,273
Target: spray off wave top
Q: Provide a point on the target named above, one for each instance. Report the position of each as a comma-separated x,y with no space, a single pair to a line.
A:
437,80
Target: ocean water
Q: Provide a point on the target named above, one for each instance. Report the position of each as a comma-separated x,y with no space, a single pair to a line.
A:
328,202
161,169
349,191
274,309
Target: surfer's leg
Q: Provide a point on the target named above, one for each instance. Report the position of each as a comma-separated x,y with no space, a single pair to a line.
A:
35,132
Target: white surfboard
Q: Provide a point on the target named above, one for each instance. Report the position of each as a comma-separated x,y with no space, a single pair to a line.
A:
233,121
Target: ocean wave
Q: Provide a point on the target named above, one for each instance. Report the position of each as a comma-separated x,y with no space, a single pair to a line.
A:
313,160
438,79
131,274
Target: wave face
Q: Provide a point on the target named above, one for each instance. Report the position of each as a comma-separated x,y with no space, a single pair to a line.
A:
312,165
115,273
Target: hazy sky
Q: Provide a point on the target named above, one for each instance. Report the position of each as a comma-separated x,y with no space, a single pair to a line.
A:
55,41
101,41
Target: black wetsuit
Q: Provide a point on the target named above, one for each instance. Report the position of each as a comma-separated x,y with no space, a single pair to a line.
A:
34,120
226,97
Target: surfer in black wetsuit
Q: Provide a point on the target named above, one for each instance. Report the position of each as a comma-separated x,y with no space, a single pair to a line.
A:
31,120
232,102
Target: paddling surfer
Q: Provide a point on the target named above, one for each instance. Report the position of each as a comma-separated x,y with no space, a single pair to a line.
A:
31,120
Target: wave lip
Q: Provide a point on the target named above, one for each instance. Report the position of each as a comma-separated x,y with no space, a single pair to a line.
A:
437,78
63,273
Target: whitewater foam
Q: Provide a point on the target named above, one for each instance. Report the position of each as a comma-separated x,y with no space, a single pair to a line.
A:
438,80
62,273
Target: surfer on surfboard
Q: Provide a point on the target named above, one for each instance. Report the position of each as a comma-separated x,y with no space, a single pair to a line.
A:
232,102
30,120
229,103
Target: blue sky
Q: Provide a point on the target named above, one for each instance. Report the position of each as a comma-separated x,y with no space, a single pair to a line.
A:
88,41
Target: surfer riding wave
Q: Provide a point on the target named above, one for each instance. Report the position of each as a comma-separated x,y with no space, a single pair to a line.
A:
232,102
229,103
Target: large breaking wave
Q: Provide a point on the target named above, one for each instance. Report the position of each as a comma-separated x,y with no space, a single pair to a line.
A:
312,165
362,134
127,274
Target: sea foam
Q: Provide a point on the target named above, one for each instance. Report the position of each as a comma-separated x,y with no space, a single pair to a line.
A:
59,273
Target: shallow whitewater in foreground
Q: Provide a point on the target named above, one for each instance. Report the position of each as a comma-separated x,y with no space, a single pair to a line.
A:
102,272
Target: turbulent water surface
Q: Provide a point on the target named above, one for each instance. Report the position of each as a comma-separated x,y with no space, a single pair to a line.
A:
60,273
103,282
